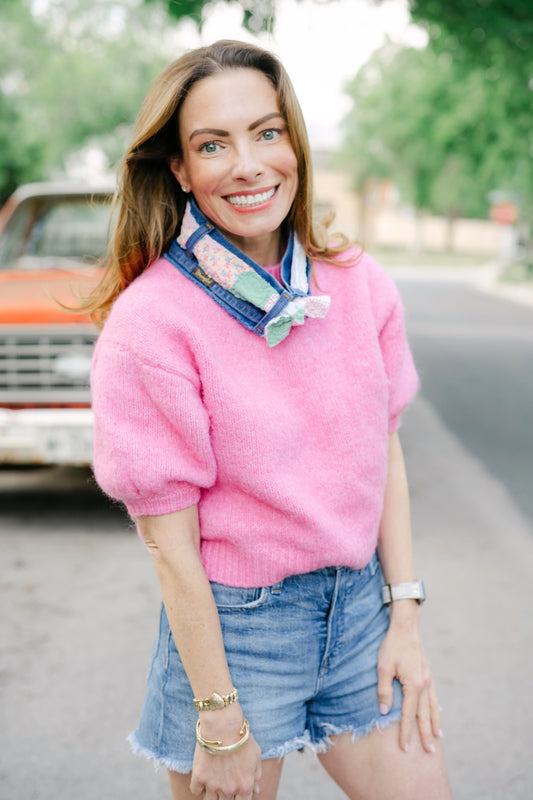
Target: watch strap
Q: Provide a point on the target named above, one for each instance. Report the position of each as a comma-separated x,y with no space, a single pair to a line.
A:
412,590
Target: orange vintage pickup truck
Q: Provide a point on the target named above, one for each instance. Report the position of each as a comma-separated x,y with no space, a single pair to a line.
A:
51,235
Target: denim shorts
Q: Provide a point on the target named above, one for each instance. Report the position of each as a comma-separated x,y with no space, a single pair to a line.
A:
303,656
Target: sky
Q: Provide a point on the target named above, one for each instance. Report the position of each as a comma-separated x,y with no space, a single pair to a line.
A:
321,44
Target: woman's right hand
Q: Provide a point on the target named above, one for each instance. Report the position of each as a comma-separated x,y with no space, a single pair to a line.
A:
174,544
232,776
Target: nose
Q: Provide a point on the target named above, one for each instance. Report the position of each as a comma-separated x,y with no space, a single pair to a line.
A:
247,165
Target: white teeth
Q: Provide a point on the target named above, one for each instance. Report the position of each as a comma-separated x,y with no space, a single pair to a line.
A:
245,200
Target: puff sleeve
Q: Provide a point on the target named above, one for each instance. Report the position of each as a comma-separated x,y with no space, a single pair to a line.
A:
152,449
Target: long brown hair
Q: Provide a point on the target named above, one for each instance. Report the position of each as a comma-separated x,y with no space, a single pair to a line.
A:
149,201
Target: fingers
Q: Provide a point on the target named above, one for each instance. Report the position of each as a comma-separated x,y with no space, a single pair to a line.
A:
416,706
424,722
409,711
402,656
252,795
217,794
386,673
211,794
227,777
421,706
254,791
435,711
211,790
258,774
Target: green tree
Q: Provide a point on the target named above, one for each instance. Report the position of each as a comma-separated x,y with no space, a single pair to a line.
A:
495,37
258,15
21,152
481,30
72,71
399,125
490,43
21,157
444,134
75,71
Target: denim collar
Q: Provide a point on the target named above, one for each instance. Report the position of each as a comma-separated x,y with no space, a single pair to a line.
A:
237,283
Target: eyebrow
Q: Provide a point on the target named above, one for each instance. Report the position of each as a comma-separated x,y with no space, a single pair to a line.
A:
253,126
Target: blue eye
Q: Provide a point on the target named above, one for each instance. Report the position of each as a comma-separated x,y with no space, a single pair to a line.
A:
270,135
209,147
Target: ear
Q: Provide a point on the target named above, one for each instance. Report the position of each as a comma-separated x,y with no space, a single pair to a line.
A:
179,170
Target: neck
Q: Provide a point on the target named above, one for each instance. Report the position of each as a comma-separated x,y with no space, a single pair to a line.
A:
264,250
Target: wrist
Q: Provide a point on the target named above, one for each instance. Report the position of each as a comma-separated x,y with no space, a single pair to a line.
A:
223,725
404,613
216,701
216,747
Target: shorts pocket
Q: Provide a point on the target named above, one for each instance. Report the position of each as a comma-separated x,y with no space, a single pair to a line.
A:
372,567
232,599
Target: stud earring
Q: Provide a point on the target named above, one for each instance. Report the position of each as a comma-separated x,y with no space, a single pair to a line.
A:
184,189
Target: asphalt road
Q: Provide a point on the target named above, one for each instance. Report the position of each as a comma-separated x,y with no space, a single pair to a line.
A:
474,352
80,599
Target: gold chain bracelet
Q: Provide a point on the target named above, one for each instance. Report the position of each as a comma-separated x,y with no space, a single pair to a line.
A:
216,701
217,748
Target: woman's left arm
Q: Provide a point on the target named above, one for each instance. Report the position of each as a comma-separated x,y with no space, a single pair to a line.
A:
402,655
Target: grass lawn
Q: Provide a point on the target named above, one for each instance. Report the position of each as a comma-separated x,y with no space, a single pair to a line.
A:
390,257
518,273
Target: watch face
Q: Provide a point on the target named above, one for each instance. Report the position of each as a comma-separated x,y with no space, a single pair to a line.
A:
413,590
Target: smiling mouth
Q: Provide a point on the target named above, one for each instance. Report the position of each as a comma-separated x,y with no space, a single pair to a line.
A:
248,200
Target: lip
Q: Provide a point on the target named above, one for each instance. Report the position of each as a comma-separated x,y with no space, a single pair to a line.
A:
243,209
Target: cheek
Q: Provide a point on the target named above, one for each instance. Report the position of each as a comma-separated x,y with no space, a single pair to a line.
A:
288,164
204,174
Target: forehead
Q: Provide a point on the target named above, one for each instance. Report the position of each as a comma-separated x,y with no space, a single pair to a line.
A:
227,99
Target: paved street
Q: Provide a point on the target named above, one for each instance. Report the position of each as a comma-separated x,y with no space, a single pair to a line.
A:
474,352
80,599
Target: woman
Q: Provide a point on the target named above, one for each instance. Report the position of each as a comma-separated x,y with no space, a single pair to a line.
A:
247,388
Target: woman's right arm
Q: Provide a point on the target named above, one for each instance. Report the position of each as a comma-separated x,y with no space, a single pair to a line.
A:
173,541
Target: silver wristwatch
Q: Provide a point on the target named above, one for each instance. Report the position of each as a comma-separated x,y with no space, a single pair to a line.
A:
413,590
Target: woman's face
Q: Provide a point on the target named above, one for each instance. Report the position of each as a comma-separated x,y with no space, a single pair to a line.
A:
238,161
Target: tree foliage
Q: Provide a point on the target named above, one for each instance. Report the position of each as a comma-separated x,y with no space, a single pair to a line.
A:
451,123
73,74
258,15
481,30
75,71
445,134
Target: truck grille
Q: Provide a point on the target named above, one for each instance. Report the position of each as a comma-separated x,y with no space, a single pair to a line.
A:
46,366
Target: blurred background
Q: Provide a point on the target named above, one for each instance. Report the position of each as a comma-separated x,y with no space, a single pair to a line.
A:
419,112
420,118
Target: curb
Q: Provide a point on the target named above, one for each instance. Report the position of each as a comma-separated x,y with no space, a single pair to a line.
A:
485,278
521,293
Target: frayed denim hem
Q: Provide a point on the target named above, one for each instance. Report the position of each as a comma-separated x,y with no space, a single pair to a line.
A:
302,743
170,763
298,743
381,723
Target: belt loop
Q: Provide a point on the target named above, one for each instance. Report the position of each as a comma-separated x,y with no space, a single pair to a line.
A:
283,300
203,230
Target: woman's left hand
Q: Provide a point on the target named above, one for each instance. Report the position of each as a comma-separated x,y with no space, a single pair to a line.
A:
402,656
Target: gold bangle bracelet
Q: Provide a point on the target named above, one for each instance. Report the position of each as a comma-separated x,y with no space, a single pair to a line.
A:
217,748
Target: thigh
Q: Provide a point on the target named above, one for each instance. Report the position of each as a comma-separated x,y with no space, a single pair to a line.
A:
268,785
375,768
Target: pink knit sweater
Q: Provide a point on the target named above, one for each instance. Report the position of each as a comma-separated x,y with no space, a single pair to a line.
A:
284,450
